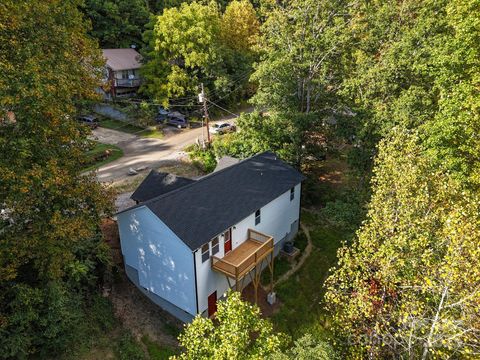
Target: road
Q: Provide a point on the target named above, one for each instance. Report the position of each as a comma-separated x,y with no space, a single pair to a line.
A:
143,152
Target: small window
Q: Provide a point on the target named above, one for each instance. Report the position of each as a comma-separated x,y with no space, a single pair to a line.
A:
257,217
292,194
205,252
215,246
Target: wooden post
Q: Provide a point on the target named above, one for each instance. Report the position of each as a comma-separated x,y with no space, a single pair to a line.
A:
205,111
271,272
236,279
255,284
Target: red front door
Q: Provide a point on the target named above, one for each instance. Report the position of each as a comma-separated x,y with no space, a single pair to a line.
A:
228,241
212,303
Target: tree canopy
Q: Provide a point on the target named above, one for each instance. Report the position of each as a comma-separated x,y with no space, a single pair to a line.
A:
409,285
195,44
415,64
237,333
117,23
50,244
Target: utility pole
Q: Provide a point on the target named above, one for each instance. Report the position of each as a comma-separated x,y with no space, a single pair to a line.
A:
202,98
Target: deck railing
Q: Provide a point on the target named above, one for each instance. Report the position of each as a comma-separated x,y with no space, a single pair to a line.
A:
239,270
127,82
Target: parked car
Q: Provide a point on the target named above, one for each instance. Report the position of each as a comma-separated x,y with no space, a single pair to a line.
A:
174,118
222,128
88,120
176,121
162,114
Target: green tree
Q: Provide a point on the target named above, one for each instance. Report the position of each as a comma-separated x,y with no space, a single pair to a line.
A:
300,72
187,47
301,58
307,348
240,27
50,244
117,23
257,133
415,64
238,332
409,286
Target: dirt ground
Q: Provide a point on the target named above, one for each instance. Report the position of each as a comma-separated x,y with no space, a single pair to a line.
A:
141,316
266,309
136,312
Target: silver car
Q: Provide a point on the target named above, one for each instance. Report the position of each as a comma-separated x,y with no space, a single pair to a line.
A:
222,128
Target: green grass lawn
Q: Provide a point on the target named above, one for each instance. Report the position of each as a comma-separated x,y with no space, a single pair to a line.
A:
302,295
120,125
130,129
157,351
91,160
151,133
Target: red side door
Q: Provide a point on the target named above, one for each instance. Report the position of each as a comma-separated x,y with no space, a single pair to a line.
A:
227,240
212,303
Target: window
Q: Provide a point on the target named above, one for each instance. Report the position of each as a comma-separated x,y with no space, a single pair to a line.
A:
205,252
257,217
215,246
292,194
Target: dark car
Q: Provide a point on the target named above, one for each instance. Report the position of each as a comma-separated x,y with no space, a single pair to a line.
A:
161,115
89,120
177,121
174,118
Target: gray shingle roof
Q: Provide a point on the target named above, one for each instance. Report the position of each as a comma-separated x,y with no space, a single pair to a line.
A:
158,183
225,162
198,212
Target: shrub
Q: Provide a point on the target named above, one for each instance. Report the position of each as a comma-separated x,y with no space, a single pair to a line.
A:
203,158
301,240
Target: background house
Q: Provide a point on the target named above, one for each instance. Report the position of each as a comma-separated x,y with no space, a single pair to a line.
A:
122,74
186,247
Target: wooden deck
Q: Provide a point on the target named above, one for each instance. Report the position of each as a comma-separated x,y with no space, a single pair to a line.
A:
246,259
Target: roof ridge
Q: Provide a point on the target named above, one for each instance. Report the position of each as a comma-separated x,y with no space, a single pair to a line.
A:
208,176
195,182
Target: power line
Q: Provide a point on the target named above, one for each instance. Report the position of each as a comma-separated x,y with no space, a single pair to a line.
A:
228,111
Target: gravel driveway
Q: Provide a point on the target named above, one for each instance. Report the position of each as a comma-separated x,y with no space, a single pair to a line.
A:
146,152
142,152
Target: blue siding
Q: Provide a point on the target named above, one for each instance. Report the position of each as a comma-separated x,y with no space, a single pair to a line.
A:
164,263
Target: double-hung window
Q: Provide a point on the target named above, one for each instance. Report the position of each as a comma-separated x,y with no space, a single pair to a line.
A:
257,217
292,194
205,252
215,246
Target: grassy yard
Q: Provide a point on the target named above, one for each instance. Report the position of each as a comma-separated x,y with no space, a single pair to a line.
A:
94,159
302,294
131,129
119,125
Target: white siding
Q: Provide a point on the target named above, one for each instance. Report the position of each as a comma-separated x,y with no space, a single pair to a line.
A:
276,220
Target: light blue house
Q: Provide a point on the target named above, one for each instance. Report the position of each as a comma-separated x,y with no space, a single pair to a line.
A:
192,240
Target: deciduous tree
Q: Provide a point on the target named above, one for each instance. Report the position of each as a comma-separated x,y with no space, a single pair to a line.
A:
238,332
187,47
409,285
415,64
117,23
50,243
